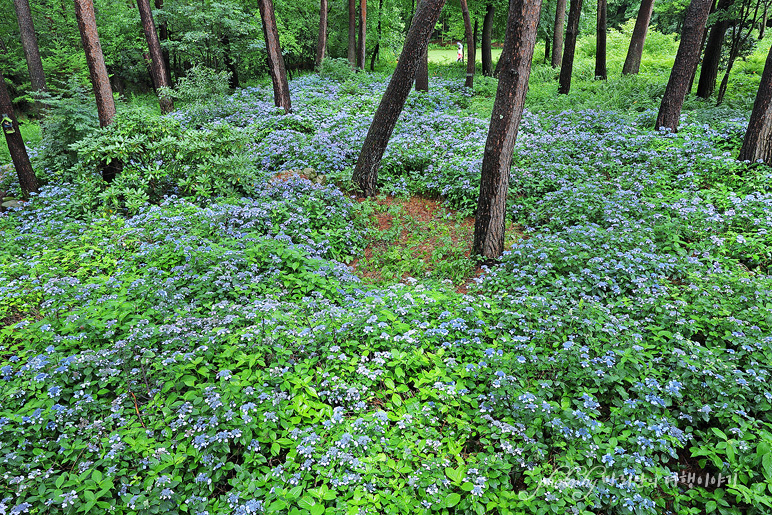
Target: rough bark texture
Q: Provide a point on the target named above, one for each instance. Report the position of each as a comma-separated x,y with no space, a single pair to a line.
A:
29,43
557,34
635,50
470,49
757,144
422,73
281,94
600,42
27,179
321,42
352,33
487,34
362,39
84,11
516,59
416,43
712,57
685,62
572,31
156,57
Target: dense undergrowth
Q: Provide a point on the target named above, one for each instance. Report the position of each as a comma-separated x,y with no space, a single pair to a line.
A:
189,338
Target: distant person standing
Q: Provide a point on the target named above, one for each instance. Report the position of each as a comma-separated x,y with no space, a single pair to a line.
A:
460,56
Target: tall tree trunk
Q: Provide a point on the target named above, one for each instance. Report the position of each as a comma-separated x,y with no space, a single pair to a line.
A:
572,31
362,40
379,33
712,57
757,144
470,57
685,62
422,72
547,49
600,42
281,94
27,179
156,57
366,171
763,24
490,218
321,42
557,34
352,33
29,43
163,36
487,33
635,50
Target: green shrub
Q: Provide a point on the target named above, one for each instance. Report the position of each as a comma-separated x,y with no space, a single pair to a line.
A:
200,84
336,68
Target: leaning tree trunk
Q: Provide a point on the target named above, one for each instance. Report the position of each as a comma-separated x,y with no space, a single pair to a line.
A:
321,42
281,94
362,40
572,31
516,59
487,33
100,81
635,50
712,57
352,33
29,43
422,73
685,62
557,34
470,49
156,57
757,145
27,179
600,42
366,172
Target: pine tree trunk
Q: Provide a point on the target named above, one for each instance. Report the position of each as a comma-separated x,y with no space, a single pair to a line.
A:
685,62
27,179
635,50
487,33
156,57
600,42
281,94
470,59
712,57
572,31
352,33
757,144
321,42
490,219
366,171
362,41
557,34
29,43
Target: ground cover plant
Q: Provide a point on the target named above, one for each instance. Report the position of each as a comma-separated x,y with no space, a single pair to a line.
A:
198,343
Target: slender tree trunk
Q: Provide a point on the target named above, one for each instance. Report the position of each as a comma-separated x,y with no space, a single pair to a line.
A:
757,145
487,33
600,42
547,49
29,43
362,41
572,31
712,57
321,42
352,33
379,33
156,57
366,171
163,36
470,57
27,179
516,59
685,62
699,55
557,34
281,94
635,50
763,25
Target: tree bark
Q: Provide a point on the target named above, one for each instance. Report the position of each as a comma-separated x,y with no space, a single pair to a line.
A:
487,33
156,57
600,42
362,40
18,151
366,171
547,49
352,33
422,73
163,35
29,43
712,57
685,62
757,144
635,50
470,50
557,34
281,94
321,42
516,59
572,31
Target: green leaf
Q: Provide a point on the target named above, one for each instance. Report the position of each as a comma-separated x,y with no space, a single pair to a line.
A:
452,499
317,509
306,502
